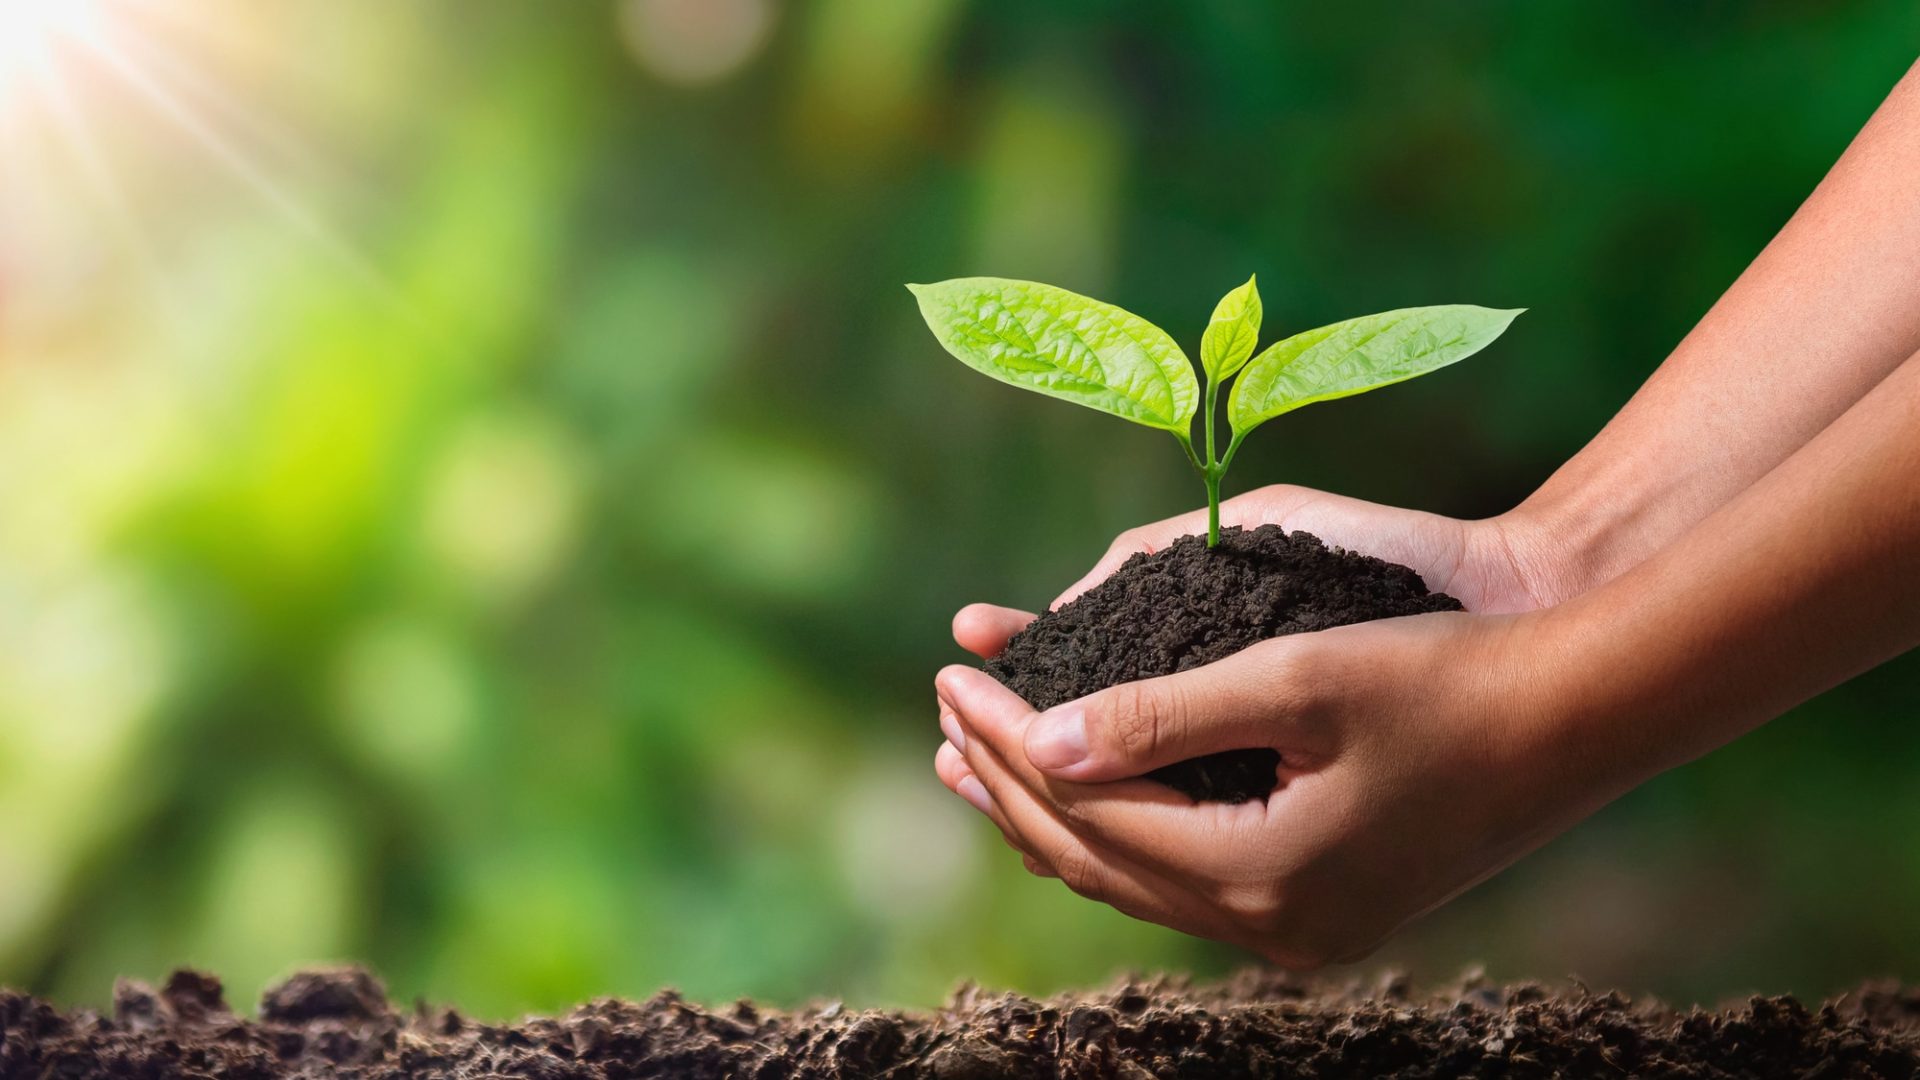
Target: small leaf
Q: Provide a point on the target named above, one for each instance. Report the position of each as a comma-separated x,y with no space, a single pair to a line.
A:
1232,332
1064,345
1358,355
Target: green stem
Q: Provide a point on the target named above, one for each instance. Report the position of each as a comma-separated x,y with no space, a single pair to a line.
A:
1212,468
1233,448
1212,471
1213,396
1213,475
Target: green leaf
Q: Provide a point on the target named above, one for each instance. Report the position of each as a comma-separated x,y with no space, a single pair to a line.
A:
1358,355
1232,332
1064,345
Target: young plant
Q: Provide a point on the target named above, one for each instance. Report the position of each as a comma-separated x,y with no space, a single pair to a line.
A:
1069,346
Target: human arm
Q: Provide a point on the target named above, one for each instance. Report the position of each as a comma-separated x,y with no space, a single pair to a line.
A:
1826,311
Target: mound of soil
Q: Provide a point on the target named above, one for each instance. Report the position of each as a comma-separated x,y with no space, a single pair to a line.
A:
339,1023
1187,605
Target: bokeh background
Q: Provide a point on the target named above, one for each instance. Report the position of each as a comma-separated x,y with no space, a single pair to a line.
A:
475,496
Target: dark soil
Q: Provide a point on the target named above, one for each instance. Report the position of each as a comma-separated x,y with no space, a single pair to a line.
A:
1185,606
339,1023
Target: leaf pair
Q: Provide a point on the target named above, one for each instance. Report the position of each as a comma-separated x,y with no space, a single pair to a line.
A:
1095,354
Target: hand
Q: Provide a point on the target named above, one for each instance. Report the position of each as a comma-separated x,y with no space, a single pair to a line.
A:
1419,758
1499,564
1496,565
1271,876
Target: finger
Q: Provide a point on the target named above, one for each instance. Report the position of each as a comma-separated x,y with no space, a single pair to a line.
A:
1036,867
950,727
949,763
978,706
1143,820
954,772
1261,697
950,766
1089,869
952,769
966,785
983,629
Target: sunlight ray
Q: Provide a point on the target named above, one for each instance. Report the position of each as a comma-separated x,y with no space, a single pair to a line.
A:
169,105
202,32
74,131
196,92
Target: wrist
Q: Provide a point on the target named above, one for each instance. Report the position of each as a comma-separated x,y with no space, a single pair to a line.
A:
1542,561
1561,543
1602,514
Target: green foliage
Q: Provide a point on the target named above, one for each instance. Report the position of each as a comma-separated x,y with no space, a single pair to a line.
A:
1064,345
1358,355
1232,333
1068,346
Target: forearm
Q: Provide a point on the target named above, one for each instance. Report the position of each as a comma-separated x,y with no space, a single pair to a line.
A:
1827,310
1809,577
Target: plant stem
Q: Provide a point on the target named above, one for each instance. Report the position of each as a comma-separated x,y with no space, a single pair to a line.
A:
1233,447
1212,468
1213,475
1213,394
1215,468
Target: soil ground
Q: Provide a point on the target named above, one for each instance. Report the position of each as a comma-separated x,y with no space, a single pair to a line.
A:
339,1023
1184,606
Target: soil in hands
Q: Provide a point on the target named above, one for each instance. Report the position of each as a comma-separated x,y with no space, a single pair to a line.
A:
1185,606
340,1024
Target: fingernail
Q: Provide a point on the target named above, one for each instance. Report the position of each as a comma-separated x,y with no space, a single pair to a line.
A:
971,790
950,727
1058,739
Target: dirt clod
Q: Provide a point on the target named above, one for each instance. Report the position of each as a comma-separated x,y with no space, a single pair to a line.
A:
1185,606
348,994
1258,1024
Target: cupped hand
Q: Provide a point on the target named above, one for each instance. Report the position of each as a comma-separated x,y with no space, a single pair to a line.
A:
1419,758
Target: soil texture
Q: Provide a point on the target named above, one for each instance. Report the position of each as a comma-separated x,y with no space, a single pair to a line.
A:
339,1023
1185,606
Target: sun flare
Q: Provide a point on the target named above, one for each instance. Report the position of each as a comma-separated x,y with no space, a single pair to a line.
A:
94,92
33,33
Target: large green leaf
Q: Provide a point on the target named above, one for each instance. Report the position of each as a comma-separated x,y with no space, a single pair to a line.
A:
1232,332
1064,345
1358,355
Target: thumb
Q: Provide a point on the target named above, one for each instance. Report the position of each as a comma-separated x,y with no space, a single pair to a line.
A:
1246,701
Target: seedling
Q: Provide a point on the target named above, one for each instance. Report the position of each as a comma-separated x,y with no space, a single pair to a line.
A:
1069,346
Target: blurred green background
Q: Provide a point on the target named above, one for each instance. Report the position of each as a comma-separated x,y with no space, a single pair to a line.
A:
475,496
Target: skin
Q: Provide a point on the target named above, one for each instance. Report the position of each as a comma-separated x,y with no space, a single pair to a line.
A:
1742,536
